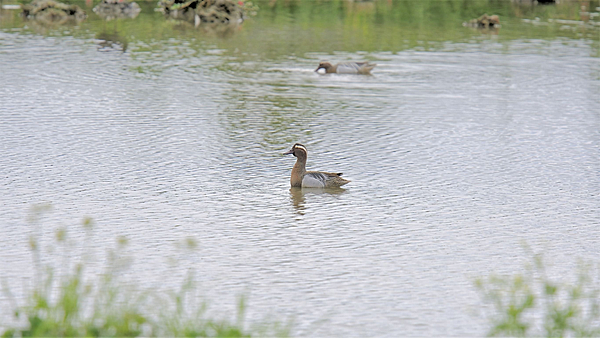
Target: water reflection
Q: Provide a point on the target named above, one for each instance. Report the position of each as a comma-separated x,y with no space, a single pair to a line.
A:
298,196
453,152
310,27
278,116
297,199
219,29
111,40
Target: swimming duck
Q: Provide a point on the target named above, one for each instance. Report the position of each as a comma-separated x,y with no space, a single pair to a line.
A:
311,179
347,68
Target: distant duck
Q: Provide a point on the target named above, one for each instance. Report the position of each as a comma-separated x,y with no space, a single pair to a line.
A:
311,179
363,68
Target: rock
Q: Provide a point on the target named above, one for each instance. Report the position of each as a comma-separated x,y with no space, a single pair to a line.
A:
204,11
50,11
115,9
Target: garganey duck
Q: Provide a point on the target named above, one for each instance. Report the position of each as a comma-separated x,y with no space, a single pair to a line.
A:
311,179
363,68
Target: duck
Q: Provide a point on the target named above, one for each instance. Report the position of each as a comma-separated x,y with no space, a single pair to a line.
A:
363,68
311,179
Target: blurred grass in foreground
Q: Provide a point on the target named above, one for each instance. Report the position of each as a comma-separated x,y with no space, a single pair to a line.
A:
534,304
72,304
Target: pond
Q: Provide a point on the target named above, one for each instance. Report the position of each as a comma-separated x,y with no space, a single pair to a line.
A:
462,145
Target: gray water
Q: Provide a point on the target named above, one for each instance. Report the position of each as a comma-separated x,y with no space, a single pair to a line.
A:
456,155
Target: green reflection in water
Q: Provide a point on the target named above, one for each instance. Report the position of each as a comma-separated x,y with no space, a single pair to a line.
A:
274,119
300,30
297,27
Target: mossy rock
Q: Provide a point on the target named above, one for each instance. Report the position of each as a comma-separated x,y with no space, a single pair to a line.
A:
114,9
51,11
204,11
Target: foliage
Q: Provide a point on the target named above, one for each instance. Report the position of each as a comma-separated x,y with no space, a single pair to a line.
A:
73,304
533,304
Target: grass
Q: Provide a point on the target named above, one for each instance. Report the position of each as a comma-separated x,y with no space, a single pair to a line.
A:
534,304
75,304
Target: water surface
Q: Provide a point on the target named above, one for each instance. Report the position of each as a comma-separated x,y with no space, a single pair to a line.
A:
460,146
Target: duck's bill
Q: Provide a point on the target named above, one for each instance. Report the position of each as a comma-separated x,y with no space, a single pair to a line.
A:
321,70
291,151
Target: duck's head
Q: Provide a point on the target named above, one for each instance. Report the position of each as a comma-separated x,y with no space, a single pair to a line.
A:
297,150
325,66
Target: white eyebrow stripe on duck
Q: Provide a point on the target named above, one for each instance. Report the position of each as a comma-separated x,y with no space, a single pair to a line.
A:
297,146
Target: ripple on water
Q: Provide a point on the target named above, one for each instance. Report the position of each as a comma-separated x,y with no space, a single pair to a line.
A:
454,155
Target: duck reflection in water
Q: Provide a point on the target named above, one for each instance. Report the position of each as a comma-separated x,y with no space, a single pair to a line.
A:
298,196
110,39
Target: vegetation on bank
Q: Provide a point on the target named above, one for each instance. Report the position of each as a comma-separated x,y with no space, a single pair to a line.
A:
73,304
535,304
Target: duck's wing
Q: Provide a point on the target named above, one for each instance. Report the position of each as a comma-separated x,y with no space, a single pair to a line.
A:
348,68
355,67
321,179
314,179
330,175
